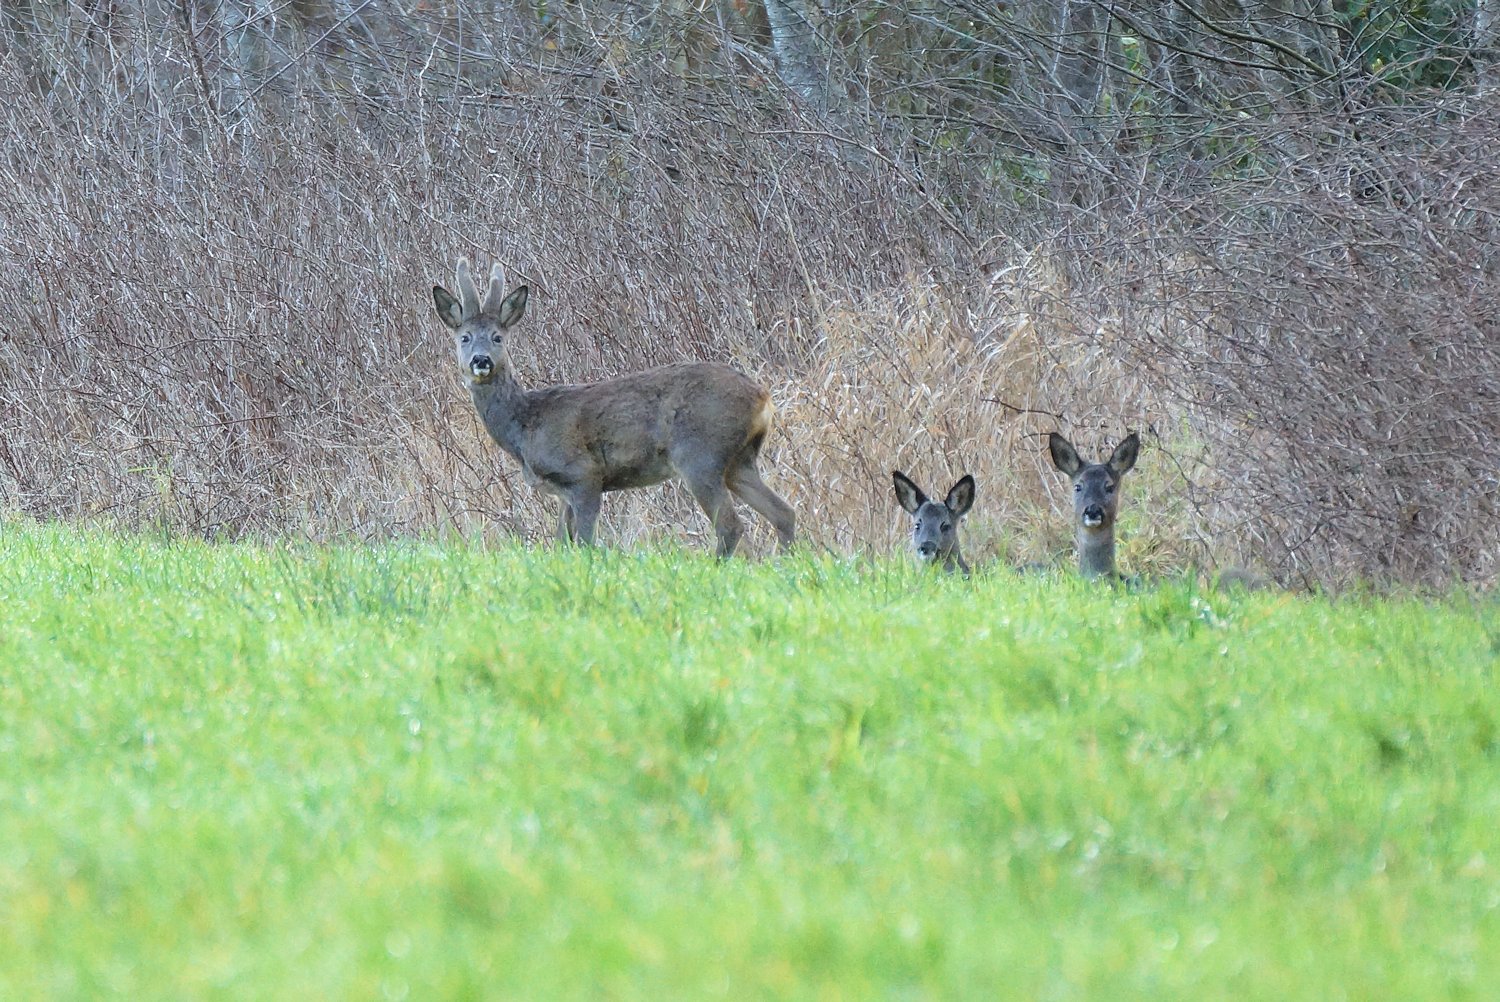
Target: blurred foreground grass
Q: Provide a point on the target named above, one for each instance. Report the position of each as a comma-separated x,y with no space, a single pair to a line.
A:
423,771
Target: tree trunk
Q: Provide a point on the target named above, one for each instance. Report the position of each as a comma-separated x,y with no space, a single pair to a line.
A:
1486,41
801,56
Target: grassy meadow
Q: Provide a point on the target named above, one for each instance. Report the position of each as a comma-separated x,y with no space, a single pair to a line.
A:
439,771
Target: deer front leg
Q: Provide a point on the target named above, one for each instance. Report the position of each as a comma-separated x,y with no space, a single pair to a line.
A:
583,504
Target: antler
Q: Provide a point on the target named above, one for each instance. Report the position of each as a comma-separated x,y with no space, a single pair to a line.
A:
496,292
467,293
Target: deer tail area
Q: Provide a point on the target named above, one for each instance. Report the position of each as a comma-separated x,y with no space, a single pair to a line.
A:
760,426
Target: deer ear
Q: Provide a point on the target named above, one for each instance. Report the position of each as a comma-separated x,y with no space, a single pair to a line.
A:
1124,455
908,493
450,310
1064,456
961,497
513,307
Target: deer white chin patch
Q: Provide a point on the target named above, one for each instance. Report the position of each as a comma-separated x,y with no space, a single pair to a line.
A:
1092,521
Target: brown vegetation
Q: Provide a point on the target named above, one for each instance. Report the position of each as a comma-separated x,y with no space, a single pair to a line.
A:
215,312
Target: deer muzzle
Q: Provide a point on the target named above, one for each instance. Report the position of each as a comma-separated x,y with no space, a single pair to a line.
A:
1093,517
481,367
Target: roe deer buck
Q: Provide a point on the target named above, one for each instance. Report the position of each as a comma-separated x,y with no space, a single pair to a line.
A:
1096,498
934,524
700,421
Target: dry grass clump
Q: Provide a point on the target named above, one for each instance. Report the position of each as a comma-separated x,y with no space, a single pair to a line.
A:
921,383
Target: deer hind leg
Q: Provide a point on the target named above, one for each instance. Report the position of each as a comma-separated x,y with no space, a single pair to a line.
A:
564,521
713,496
744,480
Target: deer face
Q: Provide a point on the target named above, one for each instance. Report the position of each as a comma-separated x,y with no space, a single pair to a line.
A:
1096,486
1096,498
934,524
479,329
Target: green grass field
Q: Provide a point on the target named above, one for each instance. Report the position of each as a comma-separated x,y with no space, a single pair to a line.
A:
423,771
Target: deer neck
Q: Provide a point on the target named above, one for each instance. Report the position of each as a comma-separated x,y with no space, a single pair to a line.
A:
1096,553
955,561
500,403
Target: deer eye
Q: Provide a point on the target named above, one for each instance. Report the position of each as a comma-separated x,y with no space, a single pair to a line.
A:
1077,488
464,339
947,526
1109,489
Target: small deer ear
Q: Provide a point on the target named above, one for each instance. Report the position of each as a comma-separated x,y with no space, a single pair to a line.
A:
1064,456
1124,455
513,307
961,497
907,493
450,311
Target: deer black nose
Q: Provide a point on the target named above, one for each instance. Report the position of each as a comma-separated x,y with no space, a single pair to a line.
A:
481,365
1093,515
927,550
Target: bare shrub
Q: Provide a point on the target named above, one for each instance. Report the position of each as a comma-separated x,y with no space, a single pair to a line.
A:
218,318
1329,330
